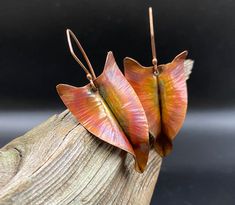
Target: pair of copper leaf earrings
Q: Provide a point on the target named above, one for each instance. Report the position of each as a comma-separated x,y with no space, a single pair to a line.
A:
145,107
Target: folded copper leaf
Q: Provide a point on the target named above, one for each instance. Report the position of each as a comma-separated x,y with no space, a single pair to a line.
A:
113,112
163,96
162,91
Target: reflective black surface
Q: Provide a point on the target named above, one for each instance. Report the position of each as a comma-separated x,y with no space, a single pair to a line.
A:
201,169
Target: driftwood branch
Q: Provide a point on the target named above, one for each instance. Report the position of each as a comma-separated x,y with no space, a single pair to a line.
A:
59,162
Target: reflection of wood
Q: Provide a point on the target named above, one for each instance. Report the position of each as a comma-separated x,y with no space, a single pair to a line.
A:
59,162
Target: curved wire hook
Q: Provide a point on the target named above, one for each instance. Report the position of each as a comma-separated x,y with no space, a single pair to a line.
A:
90,76
154,54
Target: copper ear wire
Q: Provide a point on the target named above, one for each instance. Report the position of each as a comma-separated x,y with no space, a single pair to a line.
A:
154,60
90,75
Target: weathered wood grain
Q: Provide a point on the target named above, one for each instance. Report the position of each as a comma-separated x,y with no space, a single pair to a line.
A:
59,162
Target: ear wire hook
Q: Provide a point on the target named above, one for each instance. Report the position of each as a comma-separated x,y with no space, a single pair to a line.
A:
154,60
90,76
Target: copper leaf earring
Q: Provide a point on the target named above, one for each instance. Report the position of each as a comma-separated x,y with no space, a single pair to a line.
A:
162,91
108,107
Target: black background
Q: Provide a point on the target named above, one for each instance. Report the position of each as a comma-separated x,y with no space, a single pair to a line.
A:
34,58
34,55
